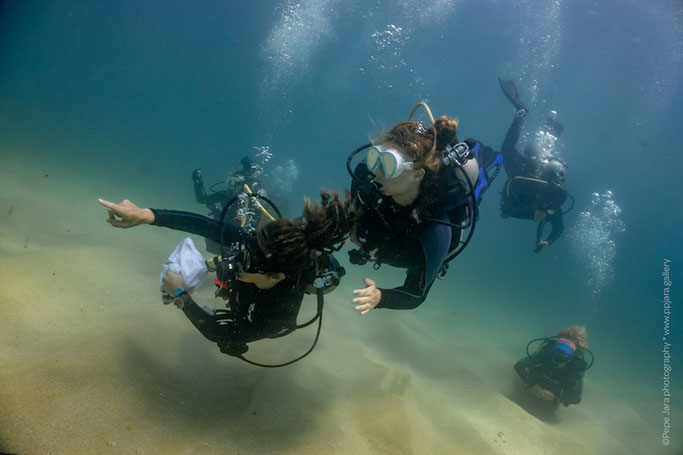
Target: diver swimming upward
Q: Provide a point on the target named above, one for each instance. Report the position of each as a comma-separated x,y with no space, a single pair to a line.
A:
535,187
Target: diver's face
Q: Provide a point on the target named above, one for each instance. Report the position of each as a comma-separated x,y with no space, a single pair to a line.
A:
401,184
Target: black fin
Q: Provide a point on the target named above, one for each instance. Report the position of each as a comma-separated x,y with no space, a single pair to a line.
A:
510,92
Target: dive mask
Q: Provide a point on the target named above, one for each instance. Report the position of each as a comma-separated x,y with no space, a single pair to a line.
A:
243,256
390,159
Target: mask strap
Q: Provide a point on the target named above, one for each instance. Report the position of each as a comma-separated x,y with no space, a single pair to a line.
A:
431,119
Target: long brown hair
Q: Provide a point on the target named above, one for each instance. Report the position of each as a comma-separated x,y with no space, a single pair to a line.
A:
289,245
416,140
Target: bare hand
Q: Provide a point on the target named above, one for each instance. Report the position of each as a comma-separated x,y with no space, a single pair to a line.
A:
130,214
172,282
368,298
541,393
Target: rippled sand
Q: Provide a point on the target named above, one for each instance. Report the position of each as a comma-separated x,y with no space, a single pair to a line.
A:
92,362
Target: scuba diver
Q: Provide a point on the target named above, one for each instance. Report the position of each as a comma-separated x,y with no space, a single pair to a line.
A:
263,274
215,200
245,179
535,187
554,373
417,191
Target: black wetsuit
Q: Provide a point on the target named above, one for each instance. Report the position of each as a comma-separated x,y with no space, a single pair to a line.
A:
555,372
254,313
531,187
404,238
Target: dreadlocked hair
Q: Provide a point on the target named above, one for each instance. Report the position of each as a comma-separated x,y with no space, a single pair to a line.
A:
288,245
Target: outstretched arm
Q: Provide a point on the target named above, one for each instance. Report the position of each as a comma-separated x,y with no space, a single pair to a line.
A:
557,222
126,215
435,241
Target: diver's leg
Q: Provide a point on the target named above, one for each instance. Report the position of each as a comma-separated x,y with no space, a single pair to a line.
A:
512,159
513,134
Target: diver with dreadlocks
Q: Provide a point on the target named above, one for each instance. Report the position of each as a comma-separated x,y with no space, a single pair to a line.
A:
416,189
263,274
535,187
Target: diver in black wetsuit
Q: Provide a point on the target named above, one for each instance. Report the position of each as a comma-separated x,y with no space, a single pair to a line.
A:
535,187
271,272
215,200
415,194
554,373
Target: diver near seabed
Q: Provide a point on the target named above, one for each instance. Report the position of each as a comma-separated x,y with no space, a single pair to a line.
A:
554,373
535,187
263,274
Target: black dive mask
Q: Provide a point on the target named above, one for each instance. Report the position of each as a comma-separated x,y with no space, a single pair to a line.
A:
252,258
245,256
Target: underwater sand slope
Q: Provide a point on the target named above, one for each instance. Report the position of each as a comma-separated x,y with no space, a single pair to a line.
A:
89,369
94,363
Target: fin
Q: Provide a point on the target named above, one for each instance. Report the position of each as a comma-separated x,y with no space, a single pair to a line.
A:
510,92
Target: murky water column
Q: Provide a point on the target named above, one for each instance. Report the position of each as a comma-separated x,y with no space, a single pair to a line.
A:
593,240
540,40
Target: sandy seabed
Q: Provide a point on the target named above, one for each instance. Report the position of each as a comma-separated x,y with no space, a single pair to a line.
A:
92,362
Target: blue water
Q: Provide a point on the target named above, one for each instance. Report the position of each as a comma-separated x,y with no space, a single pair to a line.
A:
144,92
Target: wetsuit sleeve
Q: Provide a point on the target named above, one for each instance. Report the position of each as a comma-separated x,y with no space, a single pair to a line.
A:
556,220
528,369
254,324
572,386
435,241
195,224
512,159
571,393
229,335
203,321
